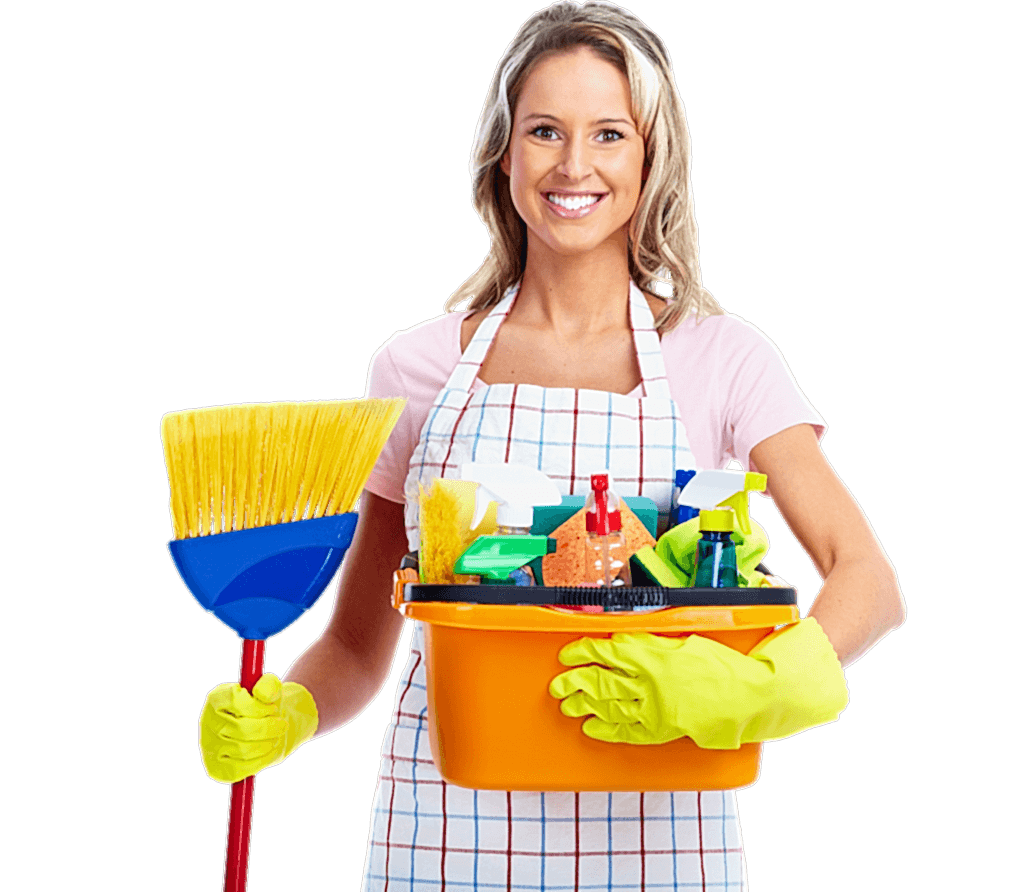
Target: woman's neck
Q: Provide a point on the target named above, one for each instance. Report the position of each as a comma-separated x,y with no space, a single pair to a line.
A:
575,296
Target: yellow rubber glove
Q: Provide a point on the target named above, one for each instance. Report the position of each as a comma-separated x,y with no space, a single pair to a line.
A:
242,733
651,689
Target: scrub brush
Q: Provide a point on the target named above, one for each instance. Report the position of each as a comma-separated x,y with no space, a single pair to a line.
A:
262,501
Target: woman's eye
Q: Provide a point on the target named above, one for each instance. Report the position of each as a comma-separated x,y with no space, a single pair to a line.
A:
543,131
609,136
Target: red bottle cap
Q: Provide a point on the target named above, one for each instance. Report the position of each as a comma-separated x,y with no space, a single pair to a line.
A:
600,520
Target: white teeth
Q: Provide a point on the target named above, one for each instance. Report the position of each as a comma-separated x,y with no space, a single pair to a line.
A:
574,203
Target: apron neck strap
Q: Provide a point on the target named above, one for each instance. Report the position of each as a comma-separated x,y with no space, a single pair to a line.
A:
648,345
476,351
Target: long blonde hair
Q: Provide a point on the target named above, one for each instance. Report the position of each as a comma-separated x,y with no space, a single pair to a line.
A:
663,231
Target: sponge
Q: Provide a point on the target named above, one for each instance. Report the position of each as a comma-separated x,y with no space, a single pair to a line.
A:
659,572
569,565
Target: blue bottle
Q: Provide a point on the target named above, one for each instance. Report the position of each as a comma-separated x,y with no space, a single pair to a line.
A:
681,513
716,552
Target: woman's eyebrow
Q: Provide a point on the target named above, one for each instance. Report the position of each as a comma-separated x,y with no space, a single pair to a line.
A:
557,120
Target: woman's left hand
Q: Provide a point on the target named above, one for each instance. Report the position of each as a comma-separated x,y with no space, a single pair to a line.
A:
644,689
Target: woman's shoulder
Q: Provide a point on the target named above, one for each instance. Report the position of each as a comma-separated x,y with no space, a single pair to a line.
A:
422,356
436,339
725,334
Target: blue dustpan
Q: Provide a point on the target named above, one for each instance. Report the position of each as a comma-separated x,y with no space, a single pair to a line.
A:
259,581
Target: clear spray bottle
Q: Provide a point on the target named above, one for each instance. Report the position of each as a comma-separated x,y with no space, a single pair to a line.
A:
605,543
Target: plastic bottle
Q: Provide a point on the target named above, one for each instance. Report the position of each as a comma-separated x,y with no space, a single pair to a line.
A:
680,512
606,545
716,552
723,489
502,558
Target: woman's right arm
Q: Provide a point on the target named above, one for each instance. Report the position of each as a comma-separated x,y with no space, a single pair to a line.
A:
346,667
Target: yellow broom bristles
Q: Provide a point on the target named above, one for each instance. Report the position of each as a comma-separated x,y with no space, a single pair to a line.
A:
239,467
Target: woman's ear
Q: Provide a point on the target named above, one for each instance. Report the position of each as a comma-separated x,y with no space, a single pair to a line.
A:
505,164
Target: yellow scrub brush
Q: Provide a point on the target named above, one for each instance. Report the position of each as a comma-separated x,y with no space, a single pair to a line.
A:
262,502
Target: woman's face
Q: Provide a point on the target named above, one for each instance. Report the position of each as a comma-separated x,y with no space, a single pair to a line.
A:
575,158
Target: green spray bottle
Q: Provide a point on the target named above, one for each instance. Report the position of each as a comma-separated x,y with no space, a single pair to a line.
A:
502,558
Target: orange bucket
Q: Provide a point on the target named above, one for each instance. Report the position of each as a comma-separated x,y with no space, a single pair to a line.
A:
494,726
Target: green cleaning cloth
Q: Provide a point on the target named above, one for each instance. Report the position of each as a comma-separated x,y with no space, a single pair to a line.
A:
678,546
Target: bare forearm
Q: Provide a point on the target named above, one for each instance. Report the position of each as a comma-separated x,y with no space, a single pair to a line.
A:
346,667
341,681
859,603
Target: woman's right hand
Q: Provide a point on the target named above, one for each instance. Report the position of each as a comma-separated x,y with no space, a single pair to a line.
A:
242,733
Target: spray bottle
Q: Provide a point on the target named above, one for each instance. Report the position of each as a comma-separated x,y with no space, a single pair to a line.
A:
715,561
681,513
501,559
725,489
604,531
721,497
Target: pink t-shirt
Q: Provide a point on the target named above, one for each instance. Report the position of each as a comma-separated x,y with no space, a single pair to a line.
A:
731,384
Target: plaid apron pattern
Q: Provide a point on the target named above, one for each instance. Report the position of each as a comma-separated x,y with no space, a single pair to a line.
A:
427,834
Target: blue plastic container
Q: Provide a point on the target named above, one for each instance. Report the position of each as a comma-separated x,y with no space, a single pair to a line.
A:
260,581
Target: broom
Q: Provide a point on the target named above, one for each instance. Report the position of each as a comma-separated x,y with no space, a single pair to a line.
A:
262,505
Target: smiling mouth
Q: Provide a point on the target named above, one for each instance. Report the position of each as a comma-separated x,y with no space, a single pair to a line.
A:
573,206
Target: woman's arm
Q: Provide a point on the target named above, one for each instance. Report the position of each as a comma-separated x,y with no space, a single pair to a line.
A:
860,600
346,667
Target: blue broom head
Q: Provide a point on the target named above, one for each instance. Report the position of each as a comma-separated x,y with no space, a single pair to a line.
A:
260,580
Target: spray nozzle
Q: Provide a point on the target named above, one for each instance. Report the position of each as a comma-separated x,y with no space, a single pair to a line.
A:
729,489
603,515
516,489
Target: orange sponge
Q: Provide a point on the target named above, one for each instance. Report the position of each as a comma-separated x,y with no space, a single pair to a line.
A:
570,564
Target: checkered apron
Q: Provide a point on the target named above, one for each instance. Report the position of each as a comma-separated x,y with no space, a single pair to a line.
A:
431,835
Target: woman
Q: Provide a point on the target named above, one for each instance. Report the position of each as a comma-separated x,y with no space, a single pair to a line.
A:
581,175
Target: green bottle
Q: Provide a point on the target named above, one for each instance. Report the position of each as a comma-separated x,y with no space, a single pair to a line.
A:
716,552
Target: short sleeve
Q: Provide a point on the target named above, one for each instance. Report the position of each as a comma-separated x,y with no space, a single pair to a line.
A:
759,396
414,364
387,479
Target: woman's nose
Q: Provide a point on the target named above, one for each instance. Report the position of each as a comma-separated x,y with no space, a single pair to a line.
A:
575,162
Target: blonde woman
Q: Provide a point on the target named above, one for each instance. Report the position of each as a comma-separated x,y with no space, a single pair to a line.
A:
589,303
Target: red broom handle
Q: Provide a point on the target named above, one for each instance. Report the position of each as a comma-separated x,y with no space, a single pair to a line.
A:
237,861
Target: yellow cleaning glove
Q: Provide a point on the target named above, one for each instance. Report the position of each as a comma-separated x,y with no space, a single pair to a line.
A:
651,689
242,733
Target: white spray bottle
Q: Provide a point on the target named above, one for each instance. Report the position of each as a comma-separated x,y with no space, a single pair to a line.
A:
727,489
501,558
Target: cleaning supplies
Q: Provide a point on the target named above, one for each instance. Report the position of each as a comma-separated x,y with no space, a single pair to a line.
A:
548,518
708,490
678,548
505,559
262,500
446,510
649,689
727,489
502,558
647,567
716,553
681,513
606,545
488,666
570,564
